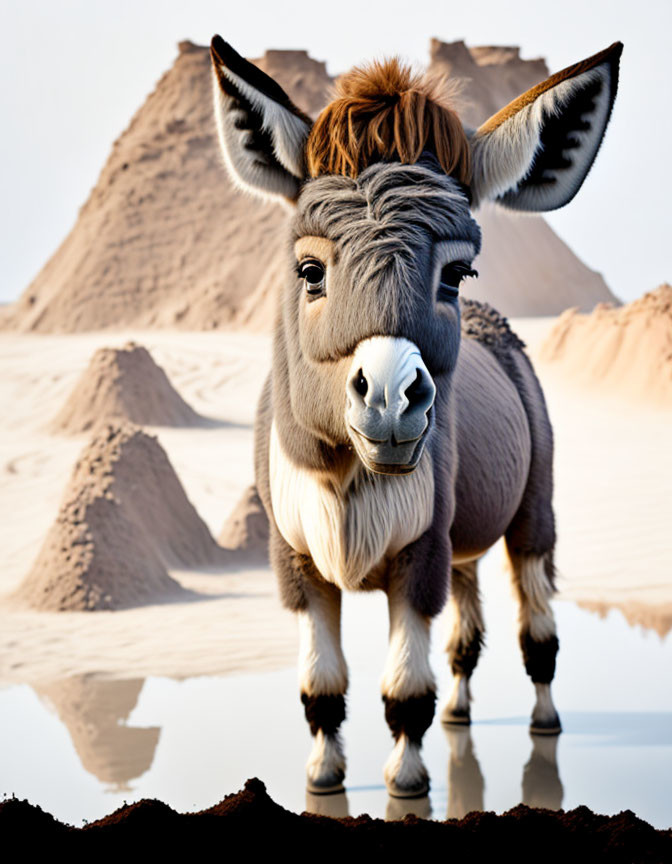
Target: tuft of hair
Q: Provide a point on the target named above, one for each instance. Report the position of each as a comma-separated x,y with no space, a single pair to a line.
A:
383,112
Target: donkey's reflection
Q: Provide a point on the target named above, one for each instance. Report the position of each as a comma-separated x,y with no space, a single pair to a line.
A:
541,784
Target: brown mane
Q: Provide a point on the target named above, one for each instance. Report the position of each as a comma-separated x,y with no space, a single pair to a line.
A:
384,111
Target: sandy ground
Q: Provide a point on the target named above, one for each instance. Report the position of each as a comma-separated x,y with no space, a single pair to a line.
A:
613,481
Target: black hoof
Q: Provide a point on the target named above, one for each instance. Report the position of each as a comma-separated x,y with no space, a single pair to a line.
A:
419,790
329,787
456,717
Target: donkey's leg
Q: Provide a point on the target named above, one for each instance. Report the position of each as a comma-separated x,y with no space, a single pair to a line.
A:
323,677
409,694
533,584
464,644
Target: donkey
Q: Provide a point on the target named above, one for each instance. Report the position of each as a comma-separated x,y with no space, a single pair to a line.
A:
402,431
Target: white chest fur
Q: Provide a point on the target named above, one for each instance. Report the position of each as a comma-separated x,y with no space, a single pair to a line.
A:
348,530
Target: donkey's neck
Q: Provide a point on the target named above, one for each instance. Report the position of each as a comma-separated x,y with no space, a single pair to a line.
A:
304,448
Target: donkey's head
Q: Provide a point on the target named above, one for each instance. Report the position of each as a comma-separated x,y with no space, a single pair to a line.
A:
382,187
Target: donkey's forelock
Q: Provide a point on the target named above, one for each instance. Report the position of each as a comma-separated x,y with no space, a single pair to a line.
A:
388,214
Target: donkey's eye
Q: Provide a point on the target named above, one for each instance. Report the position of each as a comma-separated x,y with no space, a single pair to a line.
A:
451,276
312,272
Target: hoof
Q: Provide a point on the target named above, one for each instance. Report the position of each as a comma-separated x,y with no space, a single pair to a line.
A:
418,790
456,716
405,773
330,786
545,719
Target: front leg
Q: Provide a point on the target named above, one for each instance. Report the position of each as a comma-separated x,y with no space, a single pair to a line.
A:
416,591
323,674
323,679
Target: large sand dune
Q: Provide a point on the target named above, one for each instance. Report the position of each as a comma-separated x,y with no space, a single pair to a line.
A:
164,240
626,352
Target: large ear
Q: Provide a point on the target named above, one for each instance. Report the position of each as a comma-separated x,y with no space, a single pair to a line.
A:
261,132
534,154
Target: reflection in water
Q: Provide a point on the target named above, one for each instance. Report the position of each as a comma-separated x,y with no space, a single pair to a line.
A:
465,780
398,808
648,616
542,786
94,712
335,806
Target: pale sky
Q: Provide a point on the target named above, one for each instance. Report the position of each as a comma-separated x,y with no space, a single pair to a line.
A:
73,72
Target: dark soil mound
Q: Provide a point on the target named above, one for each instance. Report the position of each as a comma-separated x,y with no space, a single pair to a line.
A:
252,824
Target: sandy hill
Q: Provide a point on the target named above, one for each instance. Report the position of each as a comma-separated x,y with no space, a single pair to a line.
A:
165,240
123,520
246,529
627,349
123,384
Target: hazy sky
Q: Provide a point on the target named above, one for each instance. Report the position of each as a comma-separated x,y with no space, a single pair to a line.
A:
72,73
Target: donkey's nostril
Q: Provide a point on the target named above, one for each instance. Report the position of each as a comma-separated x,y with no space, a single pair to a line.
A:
417,392
360,383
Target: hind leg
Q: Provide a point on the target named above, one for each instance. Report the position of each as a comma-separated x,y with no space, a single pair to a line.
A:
465,641
533,585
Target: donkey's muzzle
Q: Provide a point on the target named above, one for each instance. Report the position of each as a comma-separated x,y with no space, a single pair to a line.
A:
389,398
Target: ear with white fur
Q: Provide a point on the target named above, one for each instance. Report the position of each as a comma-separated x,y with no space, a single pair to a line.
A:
534,154
261,132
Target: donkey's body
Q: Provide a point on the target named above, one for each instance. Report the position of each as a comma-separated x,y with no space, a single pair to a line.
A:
402,431
483,440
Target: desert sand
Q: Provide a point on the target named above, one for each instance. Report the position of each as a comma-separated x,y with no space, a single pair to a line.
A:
613,487
625,352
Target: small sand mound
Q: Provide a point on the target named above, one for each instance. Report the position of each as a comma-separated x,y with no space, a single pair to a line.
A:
246,529
628,349
123,520
123,384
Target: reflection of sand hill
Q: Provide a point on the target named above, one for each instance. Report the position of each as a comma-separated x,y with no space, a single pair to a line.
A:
627,349
164,240
246,529
123,384
658,617
94,712
124,519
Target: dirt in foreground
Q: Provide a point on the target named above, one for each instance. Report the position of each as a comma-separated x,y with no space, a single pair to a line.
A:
256,825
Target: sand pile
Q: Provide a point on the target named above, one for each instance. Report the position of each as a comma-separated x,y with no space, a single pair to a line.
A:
627,350
246,529
123,520
164,239
123,384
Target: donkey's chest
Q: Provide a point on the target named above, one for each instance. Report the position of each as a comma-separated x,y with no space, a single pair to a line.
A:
349,529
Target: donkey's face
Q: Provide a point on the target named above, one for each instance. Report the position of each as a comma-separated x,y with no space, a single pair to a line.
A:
382,228
372,306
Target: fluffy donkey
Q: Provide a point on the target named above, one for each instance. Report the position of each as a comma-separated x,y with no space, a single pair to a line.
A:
402,430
